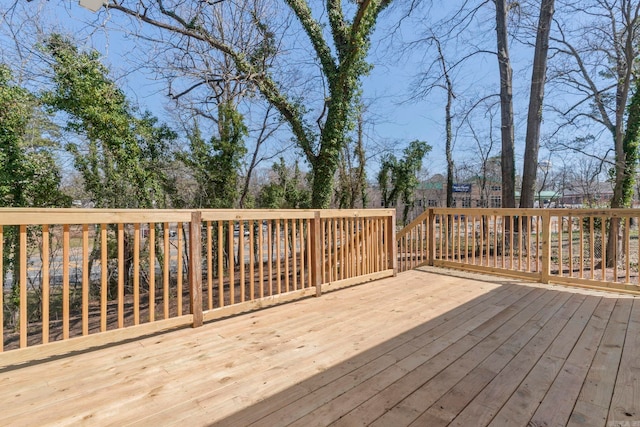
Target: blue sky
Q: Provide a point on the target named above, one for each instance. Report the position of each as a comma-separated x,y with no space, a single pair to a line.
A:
394,121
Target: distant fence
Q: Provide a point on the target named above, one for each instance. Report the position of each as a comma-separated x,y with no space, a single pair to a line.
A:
595,248
75,278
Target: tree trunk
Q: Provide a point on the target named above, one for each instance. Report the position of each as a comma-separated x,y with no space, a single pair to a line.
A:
625,173
534,117
362,174
322,188
449,138
506,107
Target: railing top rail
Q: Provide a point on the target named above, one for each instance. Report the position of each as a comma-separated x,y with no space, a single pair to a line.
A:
254,214
28,216
355,213
538,211
489,211
424,215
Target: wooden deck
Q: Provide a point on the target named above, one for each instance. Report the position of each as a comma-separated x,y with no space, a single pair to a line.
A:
420,349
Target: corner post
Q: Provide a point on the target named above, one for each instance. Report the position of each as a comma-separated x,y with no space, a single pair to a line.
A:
195,267
392,244
316,253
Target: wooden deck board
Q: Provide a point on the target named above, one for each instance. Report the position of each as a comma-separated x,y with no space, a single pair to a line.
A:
458,397
625,403
418,349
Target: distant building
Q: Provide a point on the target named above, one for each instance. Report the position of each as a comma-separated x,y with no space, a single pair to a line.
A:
596,194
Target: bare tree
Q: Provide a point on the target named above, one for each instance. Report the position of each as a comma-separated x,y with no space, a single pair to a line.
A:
487,169
534,117
506,106
337,46
437,75
597,61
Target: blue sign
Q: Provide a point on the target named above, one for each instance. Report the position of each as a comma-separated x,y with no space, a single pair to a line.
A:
462,188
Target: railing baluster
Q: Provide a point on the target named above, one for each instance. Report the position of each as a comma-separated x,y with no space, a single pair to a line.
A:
323,233
503,249
286,255
627,252
261,258
511,247
152,272
209,265
294,254
65,281
270,255
85,280
343,249
570,236
310,260
220,264
45,284
166,270
179,262
252,270
603,248
241,260
302,252
279,257
482,227
24,320
446,239
615,248
592,238
560,243
136,274
536,258
231,263
120,240
103,277
495,241
581,246
334,223
2,289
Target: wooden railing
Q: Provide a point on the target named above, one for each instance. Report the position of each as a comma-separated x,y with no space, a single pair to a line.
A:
595,248
76,278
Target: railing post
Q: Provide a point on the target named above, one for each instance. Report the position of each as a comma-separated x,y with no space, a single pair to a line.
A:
546,247
392,244
431,236
195,267
316,253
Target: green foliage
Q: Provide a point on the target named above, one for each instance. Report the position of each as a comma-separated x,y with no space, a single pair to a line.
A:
631,144
29,175
342,65
398,178
215,164
351,183
286,191
122,163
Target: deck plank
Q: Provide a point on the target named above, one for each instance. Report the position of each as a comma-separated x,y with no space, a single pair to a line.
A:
447,407
321,403
595,396
552,386
417,349
625,404
489,401
408,397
